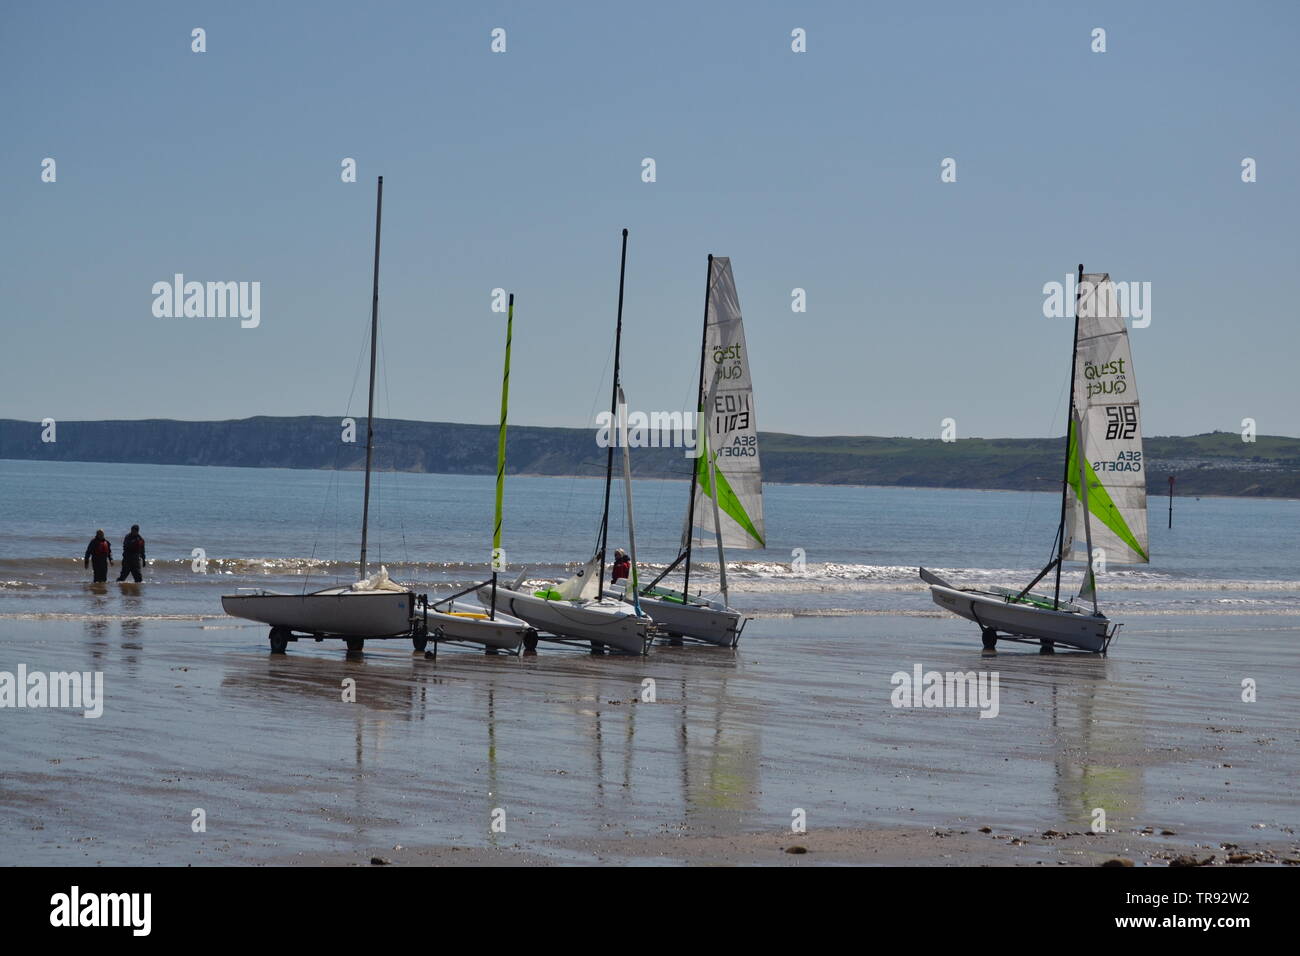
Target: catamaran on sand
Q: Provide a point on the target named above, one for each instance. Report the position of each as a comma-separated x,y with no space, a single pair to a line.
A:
578,610
375,606
455,621
1103,493
726,495
372,607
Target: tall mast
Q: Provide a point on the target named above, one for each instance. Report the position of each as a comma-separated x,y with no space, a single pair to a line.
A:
370,410
701,429
1089,577
632,581
1069,430
613,411
717,526
501,456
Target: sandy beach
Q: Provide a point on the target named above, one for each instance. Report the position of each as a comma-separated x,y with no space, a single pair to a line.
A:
562,753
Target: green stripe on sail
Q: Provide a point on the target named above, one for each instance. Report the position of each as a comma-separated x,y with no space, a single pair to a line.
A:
727,499
1100,502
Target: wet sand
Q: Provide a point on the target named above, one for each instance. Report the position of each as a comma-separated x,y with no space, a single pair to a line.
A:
199,715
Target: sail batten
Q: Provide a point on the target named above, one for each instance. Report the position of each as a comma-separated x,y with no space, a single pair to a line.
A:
1111,481
729,488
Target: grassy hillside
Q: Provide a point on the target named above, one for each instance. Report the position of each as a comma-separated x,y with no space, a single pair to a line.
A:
1217,463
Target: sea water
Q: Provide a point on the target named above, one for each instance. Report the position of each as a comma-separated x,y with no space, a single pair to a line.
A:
831,549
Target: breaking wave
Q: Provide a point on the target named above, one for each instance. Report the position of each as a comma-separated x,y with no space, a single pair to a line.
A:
742,576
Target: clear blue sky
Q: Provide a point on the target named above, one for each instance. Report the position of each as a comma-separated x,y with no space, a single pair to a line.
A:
817,170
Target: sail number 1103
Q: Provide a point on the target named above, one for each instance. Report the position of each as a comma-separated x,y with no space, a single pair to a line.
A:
732,413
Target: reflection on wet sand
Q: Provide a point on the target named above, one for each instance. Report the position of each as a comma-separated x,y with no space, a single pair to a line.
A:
719,757
1089,726
96,641
571,705
799,716
1097,730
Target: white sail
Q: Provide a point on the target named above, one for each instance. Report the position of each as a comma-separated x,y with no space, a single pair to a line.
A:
728,431
1106,402
584,584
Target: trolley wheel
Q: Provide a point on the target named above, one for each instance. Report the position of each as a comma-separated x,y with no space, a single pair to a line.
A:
989,638
420,642
356,644
530,641
279,639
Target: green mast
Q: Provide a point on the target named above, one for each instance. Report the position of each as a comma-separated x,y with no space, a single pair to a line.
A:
498,561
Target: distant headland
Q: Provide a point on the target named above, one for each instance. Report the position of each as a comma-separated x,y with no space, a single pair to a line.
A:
1216,463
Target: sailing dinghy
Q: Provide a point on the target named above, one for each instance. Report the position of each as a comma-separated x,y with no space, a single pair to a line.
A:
726,495
601,622
372,607
452,620
578,610
1103,492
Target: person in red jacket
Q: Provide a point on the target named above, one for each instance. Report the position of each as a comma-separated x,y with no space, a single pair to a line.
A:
622,566
100,553
132,554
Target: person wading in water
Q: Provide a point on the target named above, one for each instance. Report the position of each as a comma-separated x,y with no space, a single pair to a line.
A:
132,555
100,552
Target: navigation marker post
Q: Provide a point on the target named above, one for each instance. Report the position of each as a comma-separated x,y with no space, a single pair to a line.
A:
1171,501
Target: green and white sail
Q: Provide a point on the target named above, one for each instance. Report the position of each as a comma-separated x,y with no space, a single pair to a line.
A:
1108,414
728,471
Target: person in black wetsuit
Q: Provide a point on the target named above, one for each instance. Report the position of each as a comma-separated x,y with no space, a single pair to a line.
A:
132,555
100,553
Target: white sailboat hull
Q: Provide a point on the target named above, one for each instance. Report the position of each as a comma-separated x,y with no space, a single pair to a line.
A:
608,622
463,621
997,611
709,621
337,612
